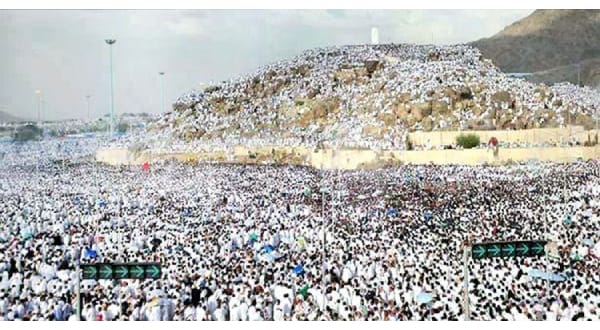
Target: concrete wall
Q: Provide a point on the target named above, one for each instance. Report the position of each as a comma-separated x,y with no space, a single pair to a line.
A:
119,156
356,159
481,156
537,135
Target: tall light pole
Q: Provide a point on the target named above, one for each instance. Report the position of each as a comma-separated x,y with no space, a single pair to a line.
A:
111,42
39,107
87,97
162,93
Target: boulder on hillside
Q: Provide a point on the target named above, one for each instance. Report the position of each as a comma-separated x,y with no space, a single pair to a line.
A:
505,120
452,94
433,56
585,120
269,75
361,76
232,108
387,118
402,111
301,70
410,120
477,111
372,66
345,76
476,124
503,96
370,130
465,93
179,107
211,89
404,98
427,124
438,107
491,114
478,88
312,92
421,110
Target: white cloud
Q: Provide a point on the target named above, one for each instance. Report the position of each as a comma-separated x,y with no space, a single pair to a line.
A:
186,26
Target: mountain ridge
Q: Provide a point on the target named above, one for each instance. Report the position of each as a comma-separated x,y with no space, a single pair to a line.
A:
546,41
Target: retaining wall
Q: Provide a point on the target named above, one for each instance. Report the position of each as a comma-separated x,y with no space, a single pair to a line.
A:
355,159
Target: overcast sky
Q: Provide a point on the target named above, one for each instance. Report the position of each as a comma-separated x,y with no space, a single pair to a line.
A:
63,54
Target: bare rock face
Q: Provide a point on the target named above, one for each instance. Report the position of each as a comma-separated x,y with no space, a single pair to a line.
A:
477,111
402,111
387,119
585,120
312,93
452,94
372,66
427,123
302,70
345,76
182,106
433,56
404,98
505,120
421,110
270,75
440,108
502,97
410,120
465,93
557,103
319,109
370,130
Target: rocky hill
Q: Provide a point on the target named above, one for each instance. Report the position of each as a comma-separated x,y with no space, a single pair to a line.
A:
551,44
8,118
372,94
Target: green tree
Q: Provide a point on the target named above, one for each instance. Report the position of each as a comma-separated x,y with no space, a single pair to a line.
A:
468,141
27,133
122,127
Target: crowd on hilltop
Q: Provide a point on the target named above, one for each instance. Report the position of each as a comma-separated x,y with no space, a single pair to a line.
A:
236,110
247,242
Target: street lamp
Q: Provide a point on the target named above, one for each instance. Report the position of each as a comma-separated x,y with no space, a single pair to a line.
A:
162,93
111,42
39,111
87,97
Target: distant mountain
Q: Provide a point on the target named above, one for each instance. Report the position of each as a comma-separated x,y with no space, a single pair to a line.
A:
549,44
7,118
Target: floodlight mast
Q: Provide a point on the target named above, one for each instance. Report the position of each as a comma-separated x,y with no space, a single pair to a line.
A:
162,93
111,42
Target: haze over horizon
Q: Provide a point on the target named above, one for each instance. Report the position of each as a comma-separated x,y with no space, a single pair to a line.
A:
63,54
